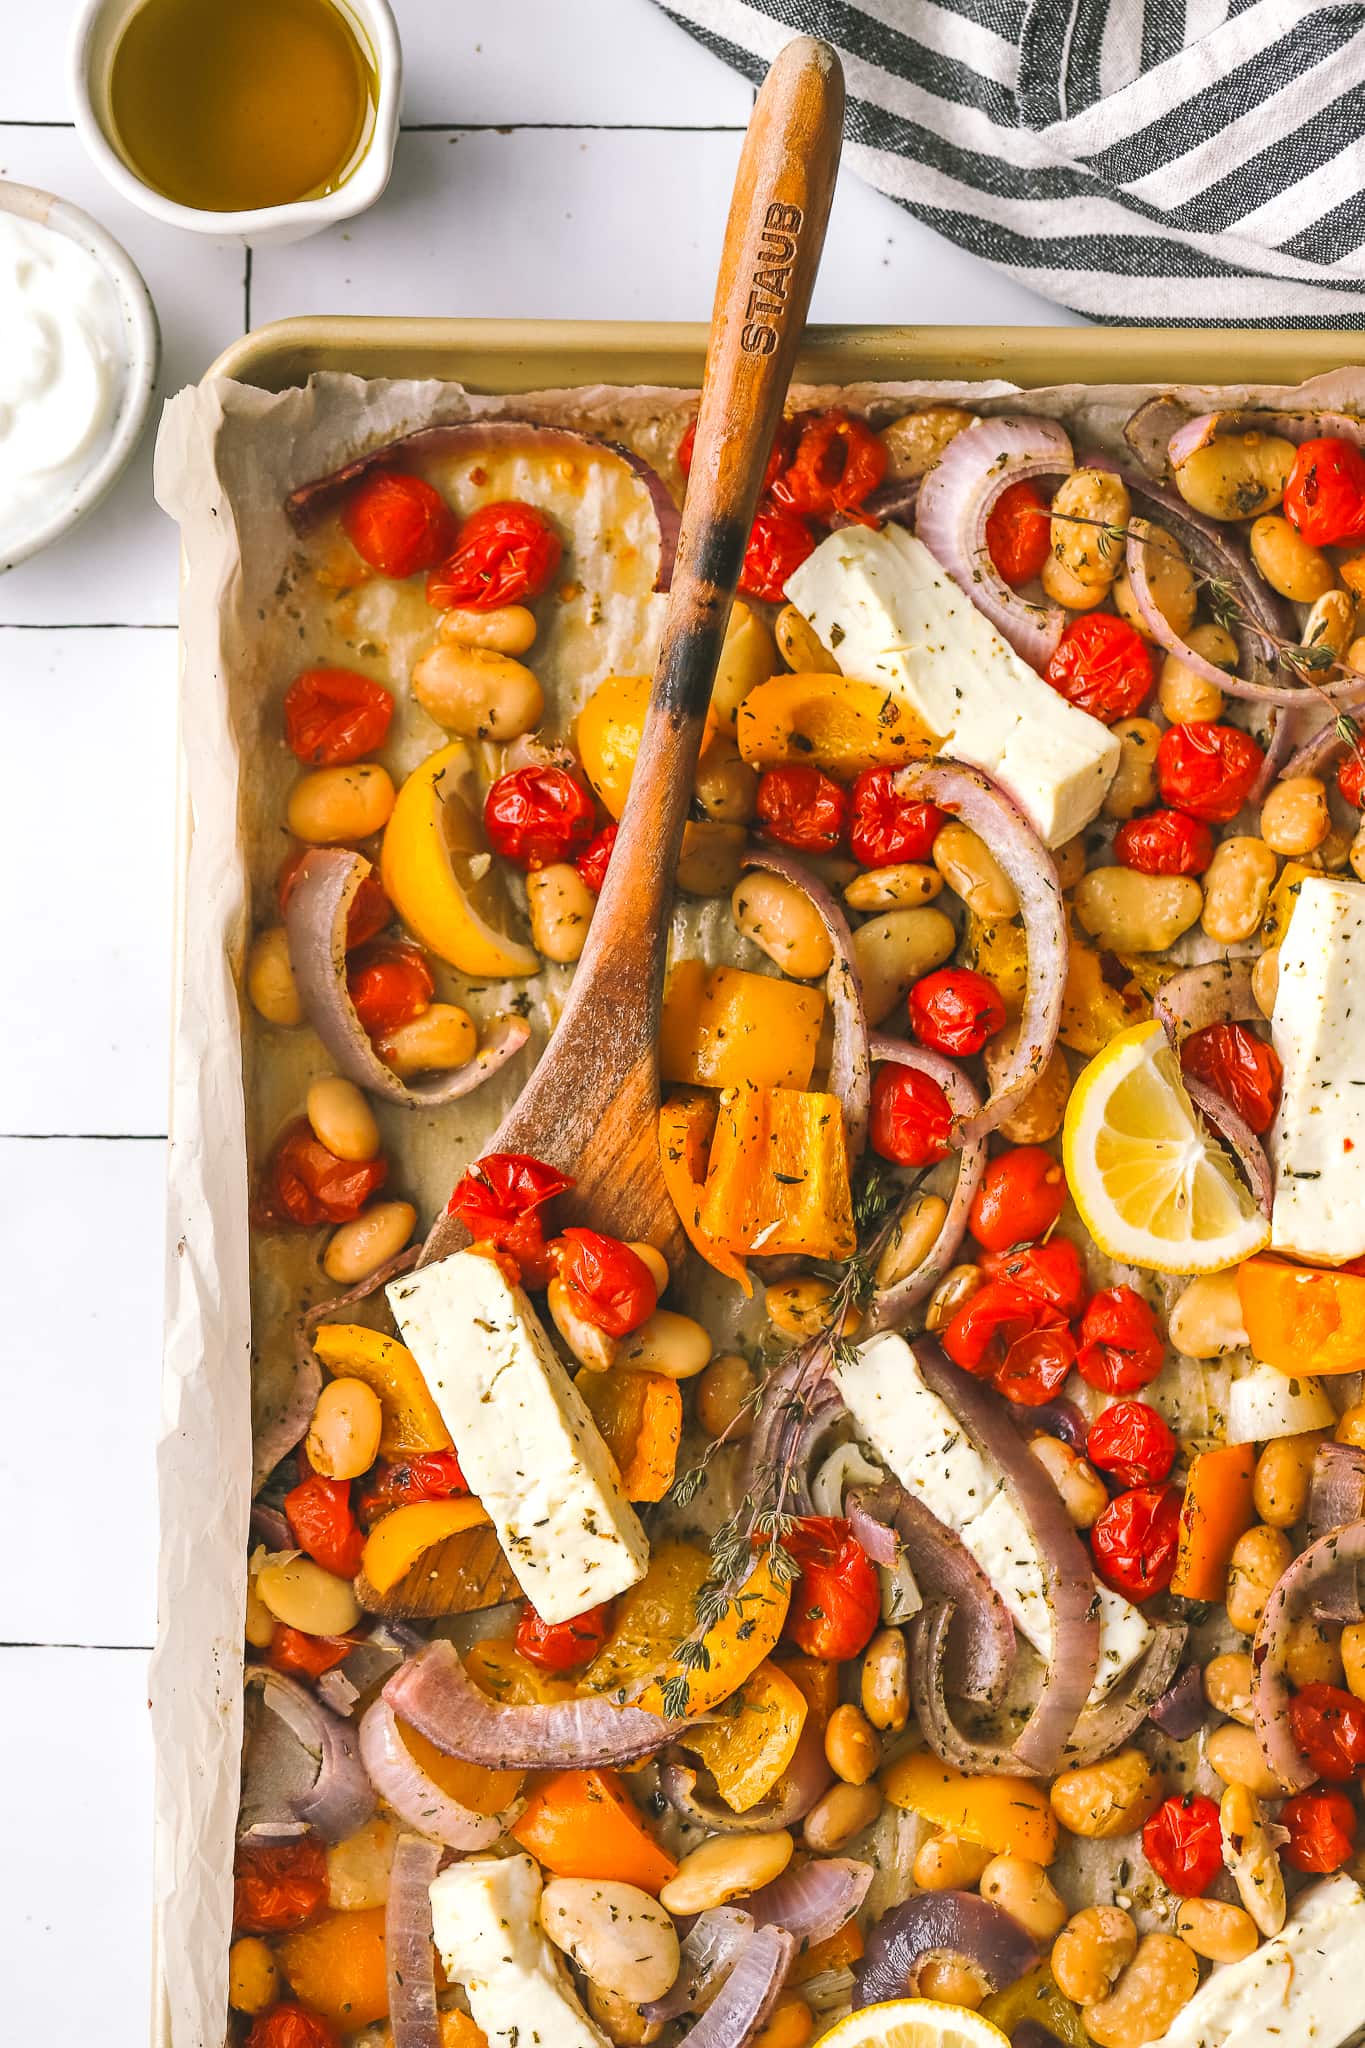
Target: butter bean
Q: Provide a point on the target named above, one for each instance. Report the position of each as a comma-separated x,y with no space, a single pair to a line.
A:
1084,1494
1087,506
725,1405
884,1687
782,921
901,887
914,1234
1024,1890
1280,1483
972,872
511,629
1236,476
1170,581
1134,785
839,1815
726,1867
1289,563
343,1436
709,862
1041,1113
1186,697
956,1287
1234,1753
270,979
1161,1979
852,1750
1216,1930
561,906
1260,1558
1087,1956
1265,978
591,1346
302,1595
342,1119
1111,1798
333,805
617,1934
1294,817
1331,622
914,442
477,692
802,1307
1128,912
360,1247
1249,1851
748,657
437,1041
948,1863
669,1343
892,951
1237,886
726,786
800,645
1227,1685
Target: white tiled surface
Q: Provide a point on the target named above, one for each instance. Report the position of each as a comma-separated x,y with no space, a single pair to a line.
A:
573,158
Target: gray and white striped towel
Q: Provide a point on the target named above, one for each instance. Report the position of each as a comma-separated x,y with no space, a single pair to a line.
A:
1182,161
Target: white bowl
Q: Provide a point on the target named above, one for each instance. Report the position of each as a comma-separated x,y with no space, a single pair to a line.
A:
142,358
95,36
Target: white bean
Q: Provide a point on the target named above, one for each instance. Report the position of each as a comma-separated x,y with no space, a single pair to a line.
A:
617,1934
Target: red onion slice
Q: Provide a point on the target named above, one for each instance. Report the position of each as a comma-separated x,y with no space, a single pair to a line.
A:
1238,1136
415,1797
889,1307
1321,750
710,1949
436,1695
691,1793
955,502
1061,1418
1148,431
812,1901
1218,993
940,1923
1336,1492
315,920
409,1958
1182,1709
749,1993
341,1798
1110,1723
1297,427
873,1537
981,1648
472,437
1313,1573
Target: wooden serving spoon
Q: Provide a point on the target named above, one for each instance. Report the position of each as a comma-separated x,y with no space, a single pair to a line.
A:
591,1106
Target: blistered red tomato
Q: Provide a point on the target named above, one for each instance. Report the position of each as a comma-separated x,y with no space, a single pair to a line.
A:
1322,1825
836,1599
911,1119
537,816
1329,1726
955,1010
885,828
607,1283
370,908
504,554
278,1885
1241,1067
321,1520
1325,495
1164,843
1207,769
802,807
1183,1842
1351,779
1130,1442
399,524
1014,1339
292,2026
593,860
1121,1348
1134,1540
309,1656
307,1184
389,984
499,1202
1022,1193
1019,533
333,715
1054,1272
778,544
836,463
1102,665
428,1475
563,1645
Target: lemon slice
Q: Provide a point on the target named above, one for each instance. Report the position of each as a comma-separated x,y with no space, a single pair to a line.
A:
914,2023
1152,1187
438,874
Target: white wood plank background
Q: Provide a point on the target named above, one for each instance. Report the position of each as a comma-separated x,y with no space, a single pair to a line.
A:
557,159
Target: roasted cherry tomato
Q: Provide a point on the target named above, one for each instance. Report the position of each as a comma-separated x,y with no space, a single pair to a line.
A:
1134,1540
1322,1826
955,1010
537,816
1241,1067
779,543
836,463
1329,1727
836,1601
886,828
911,1119
592,862
801,807
398,524
563,1645
429,1475
499,1202
1019,533
1207,769
1351,779
278,1885
333,715
370,908
319,1515
504,554
609,1284
1183,1841
292,2026
1130,1442
1121,1348
291,1649
1325,495
1022,1193
1164,843
1054,1272
307,1184
389,984
1102,665
783,441
1012,1338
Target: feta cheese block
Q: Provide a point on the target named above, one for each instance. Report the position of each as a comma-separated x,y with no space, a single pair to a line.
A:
528,1446
1317,1144
1302,1989
485,1922
920,1439
890,613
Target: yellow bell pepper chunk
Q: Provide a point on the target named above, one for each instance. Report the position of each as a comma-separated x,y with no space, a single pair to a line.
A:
747,1752
395,1544
427,864
745,1634
778,1179
686,1124
727,1028
639,1417
829,722
608,737
411,1420
1093,1011
1008,1816
997,948
658,1613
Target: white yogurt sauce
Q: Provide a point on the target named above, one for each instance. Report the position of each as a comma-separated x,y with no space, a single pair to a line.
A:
63,368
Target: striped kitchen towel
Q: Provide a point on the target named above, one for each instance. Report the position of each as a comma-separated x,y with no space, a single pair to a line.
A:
1182,161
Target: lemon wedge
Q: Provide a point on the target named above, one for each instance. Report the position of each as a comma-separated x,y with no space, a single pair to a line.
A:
1152,1187
914,2023
438,875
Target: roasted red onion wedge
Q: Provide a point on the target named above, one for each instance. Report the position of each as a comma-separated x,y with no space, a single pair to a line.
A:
750,1991
814,1900
1236,1133
891,1305
1315,1572
948,1923
691,1793
1308,425
415,1796
409,1958
435,1694
710,1949
1217,993
1107,1725
341,1798
1182,1709
1336,1493
981,1647
315,920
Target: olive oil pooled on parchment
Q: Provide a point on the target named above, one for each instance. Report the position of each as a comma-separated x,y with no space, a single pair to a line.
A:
227,105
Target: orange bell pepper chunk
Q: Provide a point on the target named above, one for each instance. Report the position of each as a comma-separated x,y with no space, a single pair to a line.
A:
1008,1816
734,1649
726,1028
411,1420
585,1824
749,1747
337,1967
836,1952
396,1541
639,1415
469,1785
685,1126
829,722
778,1179
1217,1509
817,1680
1303,1319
